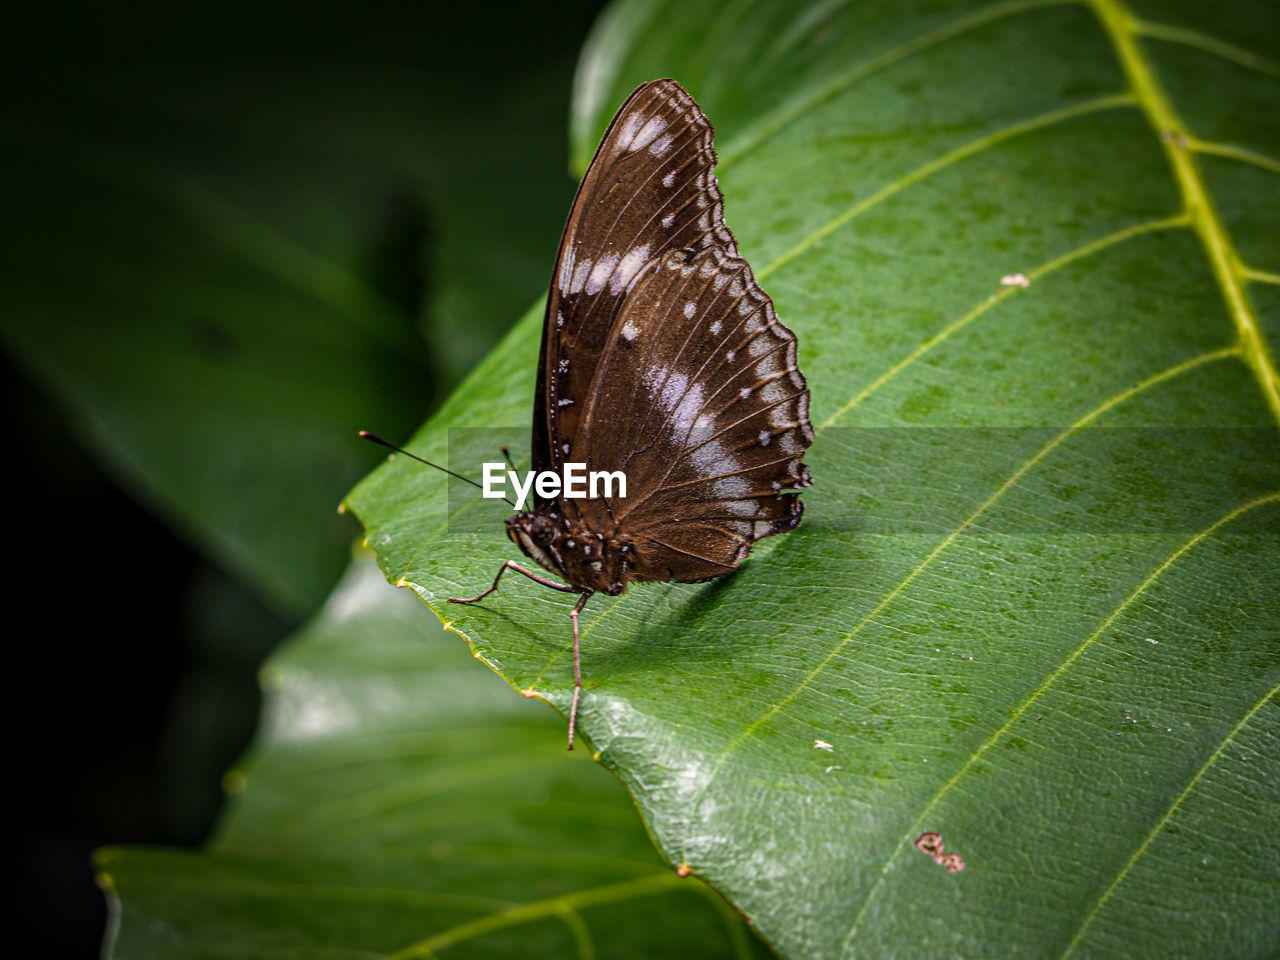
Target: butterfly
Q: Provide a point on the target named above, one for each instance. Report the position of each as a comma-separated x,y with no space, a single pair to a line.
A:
662,359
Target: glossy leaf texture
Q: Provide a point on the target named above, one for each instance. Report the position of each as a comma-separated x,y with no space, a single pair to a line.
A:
1030,251
400,802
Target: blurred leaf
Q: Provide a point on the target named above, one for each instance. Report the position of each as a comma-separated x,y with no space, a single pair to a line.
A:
1032,605
224,251
401,802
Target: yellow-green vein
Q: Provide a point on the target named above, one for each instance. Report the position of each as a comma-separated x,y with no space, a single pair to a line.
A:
581,935
941,163
1123,31
789,113
994,300
1259,276
1231,152
942,545
1173,809
527,912
1202,41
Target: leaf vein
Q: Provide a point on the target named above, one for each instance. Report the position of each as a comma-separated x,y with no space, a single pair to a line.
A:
1071,658
963,152
787,114
1209,44
1037,273
1122,30
537,910
1169,814
1241,154
942,545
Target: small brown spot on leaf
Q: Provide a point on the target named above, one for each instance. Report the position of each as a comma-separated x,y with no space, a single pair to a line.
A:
930,844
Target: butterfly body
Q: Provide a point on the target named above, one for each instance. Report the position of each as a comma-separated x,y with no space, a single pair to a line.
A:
662,360
588,559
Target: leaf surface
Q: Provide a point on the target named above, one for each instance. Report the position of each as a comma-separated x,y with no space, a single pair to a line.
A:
401,803
1029,251
224,260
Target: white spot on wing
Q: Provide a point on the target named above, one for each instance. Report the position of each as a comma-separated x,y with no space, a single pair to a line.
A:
669,180
645,135
668,220
601,272
627,135
673,390
580,272
566,266
690,309
715,327
660,146
730,487
765,438
708,457
629,331
636,258
688,407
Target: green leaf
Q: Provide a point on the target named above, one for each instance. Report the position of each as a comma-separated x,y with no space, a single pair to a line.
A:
221,266
1032,604
400,803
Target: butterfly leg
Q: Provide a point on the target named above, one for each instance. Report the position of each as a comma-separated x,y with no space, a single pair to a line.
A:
512,565
577,664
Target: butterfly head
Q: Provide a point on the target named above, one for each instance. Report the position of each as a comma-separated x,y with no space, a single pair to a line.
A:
583,557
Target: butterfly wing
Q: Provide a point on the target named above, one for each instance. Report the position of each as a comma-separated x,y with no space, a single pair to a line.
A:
702,406
649,190
664,359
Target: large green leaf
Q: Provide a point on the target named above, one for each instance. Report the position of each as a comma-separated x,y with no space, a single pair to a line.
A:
400,802
222,257
1032,605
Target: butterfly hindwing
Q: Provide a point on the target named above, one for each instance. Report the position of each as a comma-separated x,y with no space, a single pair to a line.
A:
707,416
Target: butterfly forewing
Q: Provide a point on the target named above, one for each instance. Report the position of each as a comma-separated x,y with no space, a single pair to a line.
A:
649,190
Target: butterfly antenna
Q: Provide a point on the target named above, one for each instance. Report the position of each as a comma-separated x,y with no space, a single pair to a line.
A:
506,455
377,439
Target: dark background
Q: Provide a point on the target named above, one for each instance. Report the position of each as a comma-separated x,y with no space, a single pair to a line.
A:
423,148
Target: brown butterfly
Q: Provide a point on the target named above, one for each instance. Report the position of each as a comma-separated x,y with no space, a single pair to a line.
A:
663,359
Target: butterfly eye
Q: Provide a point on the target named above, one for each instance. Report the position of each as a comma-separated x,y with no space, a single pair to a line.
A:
542,530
